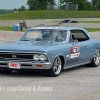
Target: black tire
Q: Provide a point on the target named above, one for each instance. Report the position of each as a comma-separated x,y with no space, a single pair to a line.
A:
56,68
96,60
5,71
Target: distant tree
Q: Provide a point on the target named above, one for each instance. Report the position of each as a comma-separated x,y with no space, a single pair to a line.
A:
0,11
39,4
15,9
23,8
87,6
96,4
82,4
94,8
19,9
5,11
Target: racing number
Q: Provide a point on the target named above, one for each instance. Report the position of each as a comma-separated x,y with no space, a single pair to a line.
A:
75,52
75,49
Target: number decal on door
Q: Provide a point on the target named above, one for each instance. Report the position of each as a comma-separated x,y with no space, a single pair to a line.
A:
75,52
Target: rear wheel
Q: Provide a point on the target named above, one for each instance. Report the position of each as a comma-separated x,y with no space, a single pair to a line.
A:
96,60
56,69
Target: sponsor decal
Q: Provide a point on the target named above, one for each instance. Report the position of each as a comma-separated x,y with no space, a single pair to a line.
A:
75,52
67,56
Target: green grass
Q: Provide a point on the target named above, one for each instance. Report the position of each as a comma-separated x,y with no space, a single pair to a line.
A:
7,28
12,29
49,14
88,21
92,29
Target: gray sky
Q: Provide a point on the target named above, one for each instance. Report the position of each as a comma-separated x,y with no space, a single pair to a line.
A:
11,4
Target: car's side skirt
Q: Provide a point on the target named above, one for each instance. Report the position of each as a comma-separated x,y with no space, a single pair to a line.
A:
76,65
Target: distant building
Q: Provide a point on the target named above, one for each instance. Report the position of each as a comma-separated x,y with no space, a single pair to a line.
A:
71,7
50,7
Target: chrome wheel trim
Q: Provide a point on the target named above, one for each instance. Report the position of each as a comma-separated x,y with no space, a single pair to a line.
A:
57,66
97,58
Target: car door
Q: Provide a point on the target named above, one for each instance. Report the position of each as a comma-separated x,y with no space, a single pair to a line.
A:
78,48
92,47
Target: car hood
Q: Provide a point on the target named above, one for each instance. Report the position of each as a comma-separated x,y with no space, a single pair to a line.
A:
26,46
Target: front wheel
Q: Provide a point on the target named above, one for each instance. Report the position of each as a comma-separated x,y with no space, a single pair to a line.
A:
96,60
56,69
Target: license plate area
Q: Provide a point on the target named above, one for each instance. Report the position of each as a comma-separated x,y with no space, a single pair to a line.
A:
14,65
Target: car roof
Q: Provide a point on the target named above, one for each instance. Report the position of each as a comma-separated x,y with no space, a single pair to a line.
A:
57,27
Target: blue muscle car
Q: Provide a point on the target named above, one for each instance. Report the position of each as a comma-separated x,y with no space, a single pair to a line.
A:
50,49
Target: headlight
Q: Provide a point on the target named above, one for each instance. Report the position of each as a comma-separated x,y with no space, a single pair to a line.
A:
43,57
39,57
36,57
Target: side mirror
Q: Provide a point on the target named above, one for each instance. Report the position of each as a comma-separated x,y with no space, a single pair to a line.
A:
75,41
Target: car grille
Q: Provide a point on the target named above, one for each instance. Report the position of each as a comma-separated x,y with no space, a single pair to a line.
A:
16,56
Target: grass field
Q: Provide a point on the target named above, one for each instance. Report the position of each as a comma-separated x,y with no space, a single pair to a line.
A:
93,29
12,29
7,28
50,14
88,21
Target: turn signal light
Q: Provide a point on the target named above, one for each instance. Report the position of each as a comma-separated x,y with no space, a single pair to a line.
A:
39,66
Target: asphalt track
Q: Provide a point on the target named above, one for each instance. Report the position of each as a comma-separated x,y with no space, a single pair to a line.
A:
32,23
81,83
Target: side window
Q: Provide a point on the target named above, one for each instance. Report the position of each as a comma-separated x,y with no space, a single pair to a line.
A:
71,39
79,35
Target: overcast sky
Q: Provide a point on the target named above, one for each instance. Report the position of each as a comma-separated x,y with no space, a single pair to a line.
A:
11,4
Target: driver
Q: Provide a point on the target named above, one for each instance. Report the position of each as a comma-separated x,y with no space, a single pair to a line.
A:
64,35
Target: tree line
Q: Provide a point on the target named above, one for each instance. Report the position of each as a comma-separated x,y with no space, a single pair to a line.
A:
4,11
85,5
82,4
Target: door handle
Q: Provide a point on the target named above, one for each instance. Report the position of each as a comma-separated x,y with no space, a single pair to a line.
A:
86,46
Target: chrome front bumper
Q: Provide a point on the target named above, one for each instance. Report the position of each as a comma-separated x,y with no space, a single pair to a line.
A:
26,65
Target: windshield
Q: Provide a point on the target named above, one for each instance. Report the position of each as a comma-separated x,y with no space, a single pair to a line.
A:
54,35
